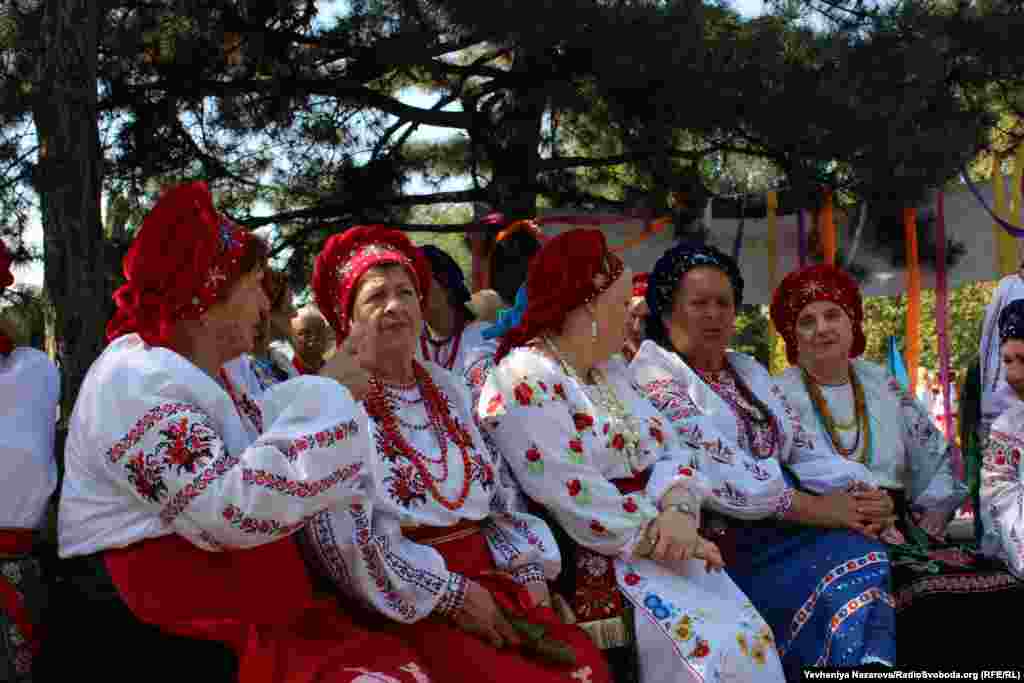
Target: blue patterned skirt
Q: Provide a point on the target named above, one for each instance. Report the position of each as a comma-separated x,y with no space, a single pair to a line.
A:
824,592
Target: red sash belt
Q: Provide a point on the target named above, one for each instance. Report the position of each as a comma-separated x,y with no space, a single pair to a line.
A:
440,535
15,542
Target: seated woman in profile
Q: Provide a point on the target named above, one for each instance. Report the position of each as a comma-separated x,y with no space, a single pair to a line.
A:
860,413
433,544
810,564
29,391
179,505
596,455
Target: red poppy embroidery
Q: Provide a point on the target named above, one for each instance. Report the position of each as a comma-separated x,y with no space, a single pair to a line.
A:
685,471
495,404
523,393
583,421
618,442
632,579
629,505
560,391
533,455
702,649
597,527
574,487
576,445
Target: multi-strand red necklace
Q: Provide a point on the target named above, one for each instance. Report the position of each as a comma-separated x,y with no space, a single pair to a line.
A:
455,340
381,406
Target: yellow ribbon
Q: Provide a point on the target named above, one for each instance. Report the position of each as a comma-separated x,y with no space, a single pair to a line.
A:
913,297
772,201
1006,245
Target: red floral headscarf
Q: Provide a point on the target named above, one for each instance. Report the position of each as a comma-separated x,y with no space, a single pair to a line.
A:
185,257
6,280
561,279
346,258
820,282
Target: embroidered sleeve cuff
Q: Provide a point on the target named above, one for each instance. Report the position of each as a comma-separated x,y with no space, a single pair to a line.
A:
454,596
785,504
529,573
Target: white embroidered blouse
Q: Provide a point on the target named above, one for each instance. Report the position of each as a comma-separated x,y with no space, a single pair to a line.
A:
907,451
1002,490
742,485
361,548
565,449
452,353
29,391
156,446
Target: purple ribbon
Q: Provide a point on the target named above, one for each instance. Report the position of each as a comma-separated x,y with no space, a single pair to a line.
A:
801,234
941,321
1014,230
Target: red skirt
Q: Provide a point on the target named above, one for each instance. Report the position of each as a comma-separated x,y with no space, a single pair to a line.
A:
259,602
453,656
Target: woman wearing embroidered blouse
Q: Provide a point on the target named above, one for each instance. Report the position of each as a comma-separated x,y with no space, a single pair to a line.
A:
859,412
450,330
597,455
179,505
825,591
433,543
1002,483
29,391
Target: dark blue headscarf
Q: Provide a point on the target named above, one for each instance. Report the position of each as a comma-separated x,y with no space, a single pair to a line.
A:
669,271
1011,321
449,274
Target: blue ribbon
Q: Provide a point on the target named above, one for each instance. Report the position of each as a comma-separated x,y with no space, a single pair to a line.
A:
508,317
896,367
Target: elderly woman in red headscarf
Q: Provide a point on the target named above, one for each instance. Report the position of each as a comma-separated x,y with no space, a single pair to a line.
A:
29,391
862,415
434,542
182,492
604,464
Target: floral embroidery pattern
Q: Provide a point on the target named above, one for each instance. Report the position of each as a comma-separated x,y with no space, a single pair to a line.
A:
322,439
290,487
671,399
365,542
957,583
253,525
534,460
147,422
182,446
578,491
196,487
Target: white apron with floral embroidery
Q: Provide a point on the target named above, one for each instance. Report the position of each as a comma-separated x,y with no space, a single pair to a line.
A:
564,449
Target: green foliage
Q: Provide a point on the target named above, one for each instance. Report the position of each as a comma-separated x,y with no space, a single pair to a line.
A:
886,316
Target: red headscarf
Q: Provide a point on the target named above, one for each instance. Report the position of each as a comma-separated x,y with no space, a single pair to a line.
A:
346,258
640,284
560,279
184,258
6,280
820,282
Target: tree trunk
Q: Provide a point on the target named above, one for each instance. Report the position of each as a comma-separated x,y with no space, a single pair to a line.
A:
69,185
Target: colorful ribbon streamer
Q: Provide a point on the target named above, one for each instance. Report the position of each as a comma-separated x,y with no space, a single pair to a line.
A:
772,205
1010,228
1006,249
941,323
827,228
913,334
